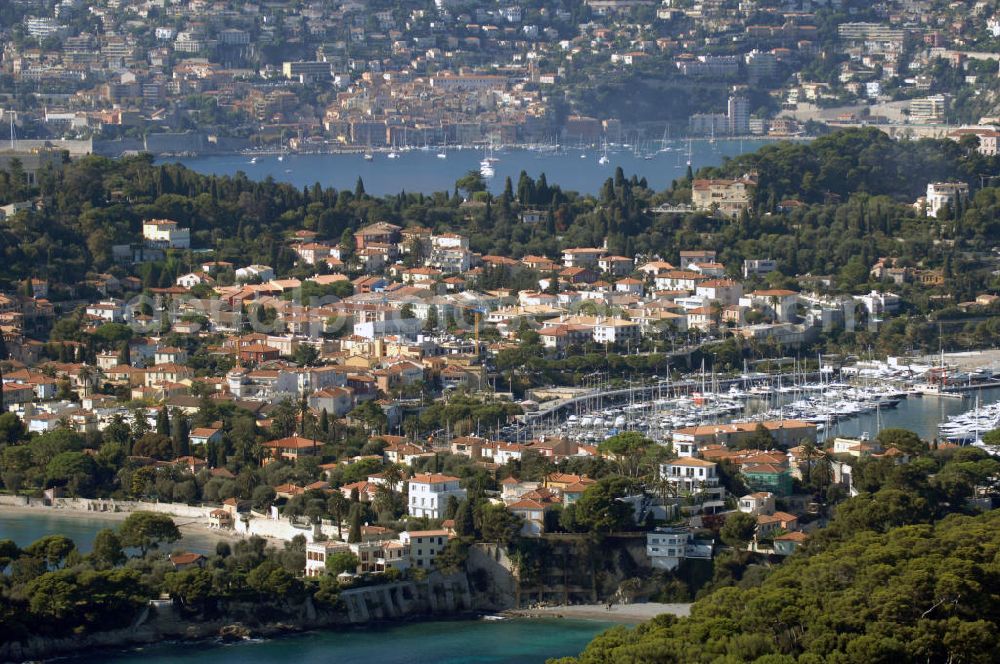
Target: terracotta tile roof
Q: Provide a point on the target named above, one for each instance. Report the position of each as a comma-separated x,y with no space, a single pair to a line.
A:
292,442
186,558
432,478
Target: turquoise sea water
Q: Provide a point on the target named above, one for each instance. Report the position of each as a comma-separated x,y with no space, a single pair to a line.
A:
515,641
26,527
421,171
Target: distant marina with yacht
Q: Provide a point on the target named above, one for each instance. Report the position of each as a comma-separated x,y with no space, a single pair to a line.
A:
581,167
954,398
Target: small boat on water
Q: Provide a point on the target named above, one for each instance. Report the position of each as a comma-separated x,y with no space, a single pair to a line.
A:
603,160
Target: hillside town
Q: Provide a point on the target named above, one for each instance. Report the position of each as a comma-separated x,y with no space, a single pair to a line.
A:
709,338
392,325
195,77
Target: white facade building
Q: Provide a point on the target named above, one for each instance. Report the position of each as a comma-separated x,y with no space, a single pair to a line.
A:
429,494
692,475
318,552
425,546
254,272
941,194
165,233
667,547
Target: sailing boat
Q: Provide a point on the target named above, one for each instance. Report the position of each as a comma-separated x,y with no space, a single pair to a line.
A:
490,156
666,138
486,165
444,150
604,157
689,152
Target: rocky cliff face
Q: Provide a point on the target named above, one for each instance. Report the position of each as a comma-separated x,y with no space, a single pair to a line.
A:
438,596
567,569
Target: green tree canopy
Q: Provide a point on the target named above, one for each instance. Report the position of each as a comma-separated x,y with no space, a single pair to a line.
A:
338,563
903,440
145,530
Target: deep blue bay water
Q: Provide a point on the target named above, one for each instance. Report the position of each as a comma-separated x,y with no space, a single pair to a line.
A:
422,171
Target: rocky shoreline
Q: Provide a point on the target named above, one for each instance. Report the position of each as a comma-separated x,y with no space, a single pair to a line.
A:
161,621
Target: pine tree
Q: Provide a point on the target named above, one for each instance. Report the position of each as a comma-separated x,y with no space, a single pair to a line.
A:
552,288
431,323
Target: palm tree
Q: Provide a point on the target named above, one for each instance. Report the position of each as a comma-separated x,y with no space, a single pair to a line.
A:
384,501
809,452
393,476
664,488
87,377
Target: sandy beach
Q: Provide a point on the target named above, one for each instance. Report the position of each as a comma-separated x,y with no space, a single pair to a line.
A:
186,525
623,613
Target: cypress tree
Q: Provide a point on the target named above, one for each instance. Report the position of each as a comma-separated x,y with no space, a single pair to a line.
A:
464,522
451,507
163,422
179,434
354,534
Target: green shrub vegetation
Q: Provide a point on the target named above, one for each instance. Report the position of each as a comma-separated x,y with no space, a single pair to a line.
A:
903,573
